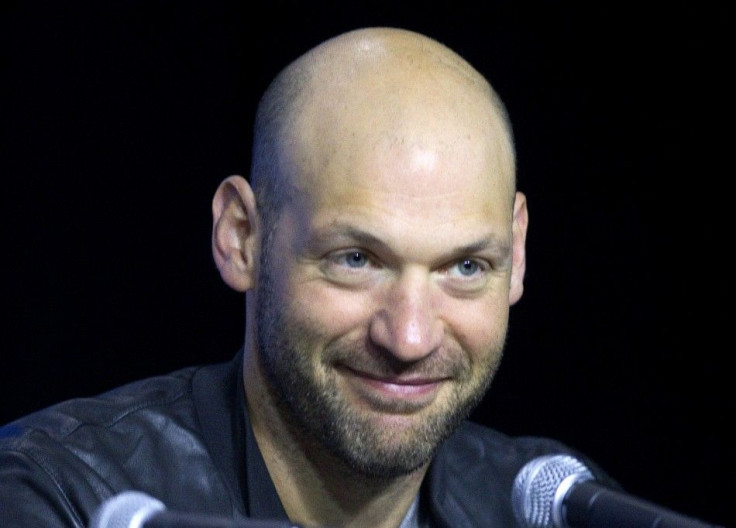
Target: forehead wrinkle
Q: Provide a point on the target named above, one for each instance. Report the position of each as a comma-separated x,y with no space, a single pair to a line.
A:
347,233
422,200
415,225
428,172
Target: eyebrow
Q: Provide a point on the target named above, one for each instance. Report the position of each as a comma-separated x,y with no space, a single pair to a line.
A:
488,242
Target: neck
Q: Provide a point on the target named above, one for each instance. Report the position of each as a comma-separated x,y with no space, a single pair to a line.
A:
315,487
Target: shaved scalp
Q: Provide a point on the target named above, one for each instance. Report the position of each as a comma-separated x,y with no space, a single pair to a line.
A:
369,56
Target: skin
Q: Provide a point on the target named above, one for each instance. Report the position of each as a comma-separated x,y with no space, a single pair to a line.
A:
387,280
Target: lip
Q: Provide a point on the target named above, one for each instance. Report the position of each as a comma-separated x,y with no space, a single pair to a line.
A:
393,393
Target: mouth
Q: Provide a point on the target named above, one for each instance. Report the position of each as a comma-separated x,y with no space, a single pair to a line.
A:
394,393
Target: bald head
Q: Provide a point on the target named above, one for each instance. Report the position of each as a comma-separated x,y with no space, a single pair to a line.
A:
366,91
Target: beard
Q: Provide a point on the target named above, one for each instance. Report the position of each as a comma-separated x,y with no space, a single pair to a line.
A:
308,392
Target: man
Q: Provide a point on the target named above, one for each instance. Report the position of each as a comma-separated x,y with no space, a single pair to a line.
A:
379,248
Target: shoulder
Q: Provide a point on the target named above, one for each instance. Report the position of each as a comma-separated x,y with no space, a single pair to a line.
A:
474,447
477,452
59,463
470,480
138,400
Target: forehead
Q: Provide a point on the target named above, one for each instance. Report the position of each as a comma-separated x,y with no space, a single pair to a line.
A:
421,197
420,180
405,146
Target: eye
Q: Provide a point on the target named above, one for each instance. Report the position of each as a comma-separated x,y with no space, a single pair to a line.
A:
353,259
349,261
467,267
467,275
350,267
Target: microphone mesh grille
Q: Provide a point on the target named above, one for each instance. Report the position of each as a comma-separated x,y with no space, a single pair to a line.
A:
129,509
533,493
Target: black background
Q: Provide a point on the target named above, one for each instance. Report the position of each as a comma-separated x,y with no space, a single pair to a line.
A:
121,117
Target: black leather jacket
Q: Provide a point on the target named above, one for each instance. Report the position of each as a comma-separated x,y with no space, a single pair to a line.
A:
182,439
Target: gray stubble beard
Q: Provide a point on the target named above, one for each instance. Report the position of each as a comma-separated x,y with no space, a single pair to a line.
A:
321,414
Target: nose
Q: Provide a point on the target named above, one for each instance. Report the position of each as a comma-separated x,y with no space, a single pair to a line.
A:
406,324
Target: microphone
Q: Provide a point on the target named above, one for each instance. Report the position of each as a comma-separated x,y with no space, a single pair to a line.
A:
134,509
559,491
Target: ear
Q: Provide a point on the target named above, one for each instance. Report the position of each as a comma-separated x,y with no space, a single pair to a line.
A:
236,233
518,266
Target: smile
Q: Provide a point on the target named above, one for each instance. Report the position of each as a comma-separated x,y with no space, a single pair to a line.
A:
392,394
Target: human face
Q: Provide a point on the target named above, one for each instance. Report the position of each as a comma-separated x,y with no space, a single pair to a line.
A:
384,294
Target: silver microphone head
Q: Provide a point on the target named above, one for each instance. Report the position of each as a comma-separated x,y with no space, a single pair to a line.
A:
129,509
541,485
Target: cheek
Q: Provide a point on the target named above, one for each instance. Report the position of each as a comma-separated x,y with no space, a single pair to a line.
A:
479,327
328,310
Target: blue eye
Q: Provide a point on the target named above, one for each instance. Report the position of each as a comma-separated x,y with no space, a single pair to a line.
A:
468,267
355,259
349,267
